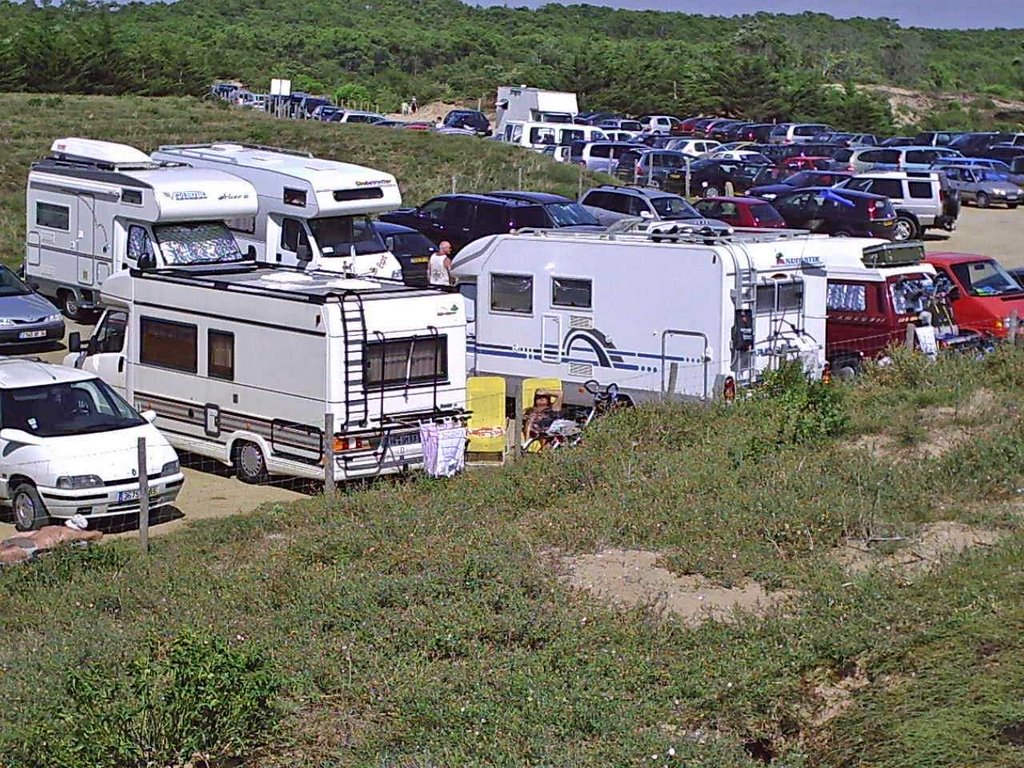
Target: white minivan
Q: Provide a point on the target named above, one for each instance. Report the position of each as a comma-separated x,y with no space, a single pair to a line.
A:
69,446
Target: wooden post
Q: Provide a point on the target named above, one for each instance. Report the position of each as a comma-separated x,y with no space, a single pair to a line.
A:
143,497
520,178
673,377
687,178
454,183
1014,325
911,336
329,454
518,428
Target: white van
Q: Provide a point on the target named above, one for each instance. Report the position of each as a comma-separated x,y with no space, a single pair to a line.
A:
540,135
69,446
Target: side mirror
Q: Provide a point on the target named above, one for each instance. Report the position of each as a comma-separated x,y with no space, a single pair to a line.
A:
147,261
389,243
303,252
19,436
646,215
149,416
954,293
74,341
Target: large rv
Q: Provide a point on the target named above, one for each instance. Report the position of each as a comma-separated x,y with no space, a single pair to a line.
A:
661,313
242,364
95,207
313,213
533,105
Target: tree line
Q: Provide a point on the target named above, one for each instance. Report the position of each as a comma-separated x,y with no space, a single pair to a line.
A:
760,67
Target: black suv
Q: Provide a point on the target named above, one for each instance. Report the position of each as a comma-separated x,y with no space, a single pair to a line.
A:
470,119
411,248
611,204
975,144
461,219
841,212
708,177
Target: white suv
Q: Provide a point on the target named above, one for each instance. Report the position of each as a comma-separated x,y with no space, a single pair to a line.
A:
69,446
922,199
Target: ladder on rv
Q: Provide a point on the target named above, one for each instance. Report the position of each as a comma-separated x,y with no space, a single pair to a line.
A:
745,299
353,324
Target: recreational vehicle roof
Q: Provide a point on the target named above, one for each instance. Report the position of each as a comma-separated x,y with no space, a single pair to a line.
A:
105,153
336,187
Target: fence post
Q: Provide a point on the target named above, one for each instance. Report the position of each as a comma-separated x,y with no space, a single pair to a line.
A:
579,194
329,454
143,497
453,183
687,178
911,336
1014,325
520,178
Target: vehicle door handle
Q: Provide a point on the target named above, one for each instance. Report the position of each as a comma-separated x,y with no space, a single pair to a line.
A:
120,364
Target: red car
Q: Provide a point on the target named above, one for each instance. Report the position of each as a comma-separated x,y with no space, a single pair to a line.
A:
797,163
741,212
982,293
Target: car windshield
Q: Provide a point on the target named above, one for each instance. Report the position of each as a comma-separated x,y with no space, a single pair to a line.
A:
11,284
765,214
674,208
345,235
569,214
200,242
67,408
985,278
800,179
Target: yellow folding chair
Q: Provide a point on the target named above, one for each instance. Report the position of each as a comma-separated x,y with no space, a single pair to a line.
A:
485,398
530,390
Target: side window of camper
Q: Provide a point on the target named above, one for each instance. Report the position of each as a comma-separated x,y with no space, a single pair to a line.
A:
780,297
847,297
53,216
245,225
572,293
220,355
512,293
292,235
139,242
167,344
109,336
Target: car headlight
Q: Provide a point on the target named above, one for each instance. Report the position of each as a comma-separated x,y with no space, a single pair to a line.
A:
6,321
76,482
171,468
54,318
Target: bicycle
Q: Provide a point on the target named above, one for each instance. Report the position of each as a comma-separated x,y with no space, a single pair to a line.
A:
561,432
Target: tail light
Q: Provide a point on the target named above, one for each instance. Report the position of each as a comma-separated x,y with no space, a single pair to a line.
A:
729,389
826,374
343,444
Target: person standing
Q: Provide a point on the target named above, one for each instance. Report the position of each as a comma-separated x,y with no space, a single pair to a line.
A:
439,268
414,105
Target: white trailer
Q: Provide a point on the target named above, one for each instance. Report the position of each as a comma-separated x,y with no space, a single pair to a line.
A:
661,314
312,212
533,105
95,207
243,364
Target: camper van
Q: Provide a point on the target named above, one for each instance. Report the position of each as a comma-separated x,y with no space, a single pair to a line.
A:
312,213
669,312
95,207
540,135
522,104
243,364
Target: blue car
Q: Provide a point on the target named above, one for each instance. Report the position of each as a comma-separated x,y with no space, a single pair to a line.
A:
26,318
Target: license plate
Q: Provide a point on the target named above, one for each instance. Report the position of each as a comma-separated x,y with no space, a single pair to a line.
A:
410,438
132,495
32,335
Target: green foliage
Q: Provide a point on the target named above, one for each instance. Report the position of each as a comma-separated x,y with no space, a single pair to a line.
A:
800,410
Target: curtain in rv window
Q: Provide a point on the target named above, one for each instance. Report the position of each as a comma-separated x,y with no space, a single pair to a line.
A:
139,243
220,355
166,344
847,297
53,216
201,242
512,293
406,361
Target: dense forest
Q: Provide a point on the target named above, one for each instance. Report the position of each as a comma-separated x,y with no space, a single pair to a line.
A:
762,66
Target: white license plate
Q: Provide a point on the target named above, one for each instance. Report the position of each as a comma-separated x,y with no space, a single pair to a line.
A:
411,438
32,335
132,495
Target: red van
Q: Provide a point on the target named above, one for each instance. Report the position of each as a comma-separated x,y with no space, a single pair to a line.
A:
982,293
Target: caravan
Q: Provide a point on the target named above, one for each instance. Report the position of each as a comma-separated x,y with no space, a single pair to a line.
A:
663,313
243,365
95,207
524,104
312,212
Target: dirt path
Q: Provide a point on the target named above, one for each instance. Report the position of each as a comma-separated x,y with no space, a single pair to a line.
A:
995,232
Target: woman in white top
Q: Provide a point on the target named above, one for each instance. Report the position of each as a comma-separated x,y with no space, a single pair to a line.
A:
440,265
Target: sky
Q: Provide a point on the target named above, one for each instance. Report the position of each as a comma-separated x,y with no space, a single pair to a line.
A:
942,14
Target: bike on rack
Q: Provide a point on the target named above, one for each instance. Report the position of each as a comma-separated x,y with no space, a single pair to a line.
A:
550,434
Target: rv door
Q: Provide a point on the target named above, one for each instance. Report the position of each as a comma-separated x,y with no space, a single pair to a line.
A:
85,241
293,248
105,352
551,339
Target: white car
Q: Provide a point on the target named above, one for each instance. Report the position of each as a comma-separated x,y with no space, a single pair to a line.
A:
69,446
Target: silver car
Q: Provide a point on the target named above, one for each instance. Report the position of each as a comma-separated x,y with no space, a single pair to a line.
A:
984,187
26,318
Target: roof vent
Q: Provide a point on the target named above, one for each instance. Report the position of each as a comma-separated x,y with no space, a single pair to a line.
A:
101,152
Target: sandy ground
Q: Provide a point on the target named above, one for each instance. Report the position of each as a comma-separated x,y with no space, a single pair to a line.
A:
994,232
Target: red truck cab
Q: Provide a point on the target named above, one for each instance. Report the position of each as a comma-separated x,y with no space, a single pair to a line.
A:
983,294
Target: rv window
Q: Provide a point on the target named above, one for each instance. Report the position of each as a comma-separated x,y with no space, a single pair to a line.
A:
292,235
220,355
139,243
198,242
246,225
512,293
166,344
406,361
780,297
567,292
131,196
295,197
53,216
338,235
109,337
847,297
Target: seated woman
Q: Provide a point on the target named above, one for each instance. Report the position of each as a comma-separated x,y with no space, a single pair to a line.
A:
544,411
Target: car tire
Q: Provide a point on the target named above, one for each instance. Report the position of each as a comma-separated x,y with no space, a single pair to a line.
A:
69,306
29,511
710,192
905,229
841,233
982,200
250,466
1011,206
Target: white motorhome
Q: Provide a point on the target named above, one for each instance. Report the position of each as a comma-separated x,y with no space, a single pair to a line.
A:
312,212
533,105
95,207
243,364
540,135
664,313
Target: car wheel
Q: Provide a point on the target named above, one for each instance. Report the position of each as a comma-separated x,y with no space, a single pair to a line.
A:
905,229
982,200
69,306
710,192
841,233
29,511
249,463
1011,206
